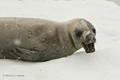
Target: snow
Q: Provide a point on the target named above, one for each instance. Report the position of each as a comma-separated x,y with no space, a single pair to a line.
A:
17,42
104,64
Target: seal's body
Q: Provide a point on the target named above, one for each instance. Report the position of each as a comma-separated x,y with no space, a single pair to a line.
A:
33,39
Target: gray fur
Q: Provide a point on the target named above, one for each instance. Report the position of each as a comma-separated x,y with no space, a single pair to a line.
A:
41,40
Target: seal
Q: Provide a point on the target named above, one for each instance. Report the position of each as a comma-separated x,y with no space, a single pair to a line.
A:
34,39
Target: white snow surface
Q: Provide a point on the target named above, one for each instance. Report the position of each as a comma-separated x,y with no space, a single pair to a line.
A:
104,64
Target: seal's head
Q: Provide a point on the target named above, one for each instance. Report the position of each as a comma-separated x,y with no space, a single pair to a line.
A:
88,40
85,36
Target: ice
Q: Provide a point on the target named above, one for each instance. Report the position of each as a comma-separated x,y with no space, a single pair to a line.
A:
17,60
103,64
18,57
7,39
62,47
43,39
6,25
4,57
54,44
50,30
17,42
1,50
29,35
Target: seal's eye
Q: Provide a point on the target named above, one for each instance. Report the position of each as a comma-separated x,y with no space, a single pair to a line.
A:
94,31
79,33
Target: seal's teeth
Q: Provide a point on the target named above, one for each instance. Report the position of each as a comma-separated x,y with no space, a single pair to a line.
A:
92,49
86,46
91,46
87,50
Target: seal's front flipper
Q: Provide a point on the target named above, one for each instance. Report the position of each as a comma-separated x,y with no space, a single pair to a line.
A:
22,54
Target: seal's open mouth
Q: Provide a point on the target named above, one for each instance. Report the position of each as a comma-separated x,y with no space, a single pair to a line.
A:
89,47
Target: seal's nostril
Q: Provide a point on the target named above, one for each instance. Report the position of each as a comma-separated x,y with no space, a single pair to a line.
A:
94,39
90,38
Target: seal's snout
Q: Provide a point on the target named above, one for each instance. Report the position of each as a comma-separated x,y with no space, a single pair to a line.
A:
89,43
90,38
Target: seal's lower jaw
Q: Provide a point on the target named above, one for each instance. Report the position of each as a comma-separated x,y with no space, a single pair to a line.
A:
89,48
